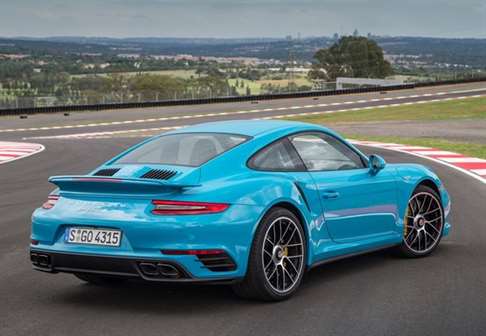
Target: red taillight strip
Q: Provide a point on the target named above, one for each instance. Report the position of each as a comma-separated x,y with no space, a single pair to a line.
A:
193,252
163,207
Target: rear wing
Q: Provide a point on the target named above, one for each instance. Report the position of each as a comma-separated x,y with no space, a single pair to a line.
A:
90,184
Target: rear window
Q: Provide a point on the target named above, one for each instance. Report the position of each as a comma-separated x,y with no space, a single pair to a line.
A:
184,149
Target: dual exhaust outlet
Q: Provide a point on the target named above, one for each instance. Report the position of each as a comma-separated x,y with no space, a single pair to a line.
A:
160,270
40,260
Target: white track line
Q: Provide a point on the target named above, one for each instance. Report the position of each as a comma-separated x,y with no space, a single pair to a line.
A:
436,153
198,116
305,114
479,171
93,135
463,160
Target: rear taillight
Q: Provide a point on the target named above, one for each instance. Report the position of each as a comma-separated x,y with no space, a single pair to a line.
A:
193,252
51,201
187,208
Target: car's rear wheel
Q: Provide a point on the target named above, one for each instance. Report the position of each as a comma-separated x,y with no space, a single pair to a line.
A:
423,223
277,258
100,280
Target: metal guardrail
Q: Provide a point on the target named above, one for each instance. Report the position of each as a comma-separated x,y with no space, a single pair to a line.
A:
110,106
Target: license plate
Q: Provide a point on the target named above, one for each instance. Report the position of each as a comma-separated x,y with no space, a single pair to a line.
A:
90,236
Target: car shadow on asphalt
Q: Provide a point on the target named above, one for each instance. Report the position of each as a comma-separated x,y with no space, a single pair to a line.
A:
176,299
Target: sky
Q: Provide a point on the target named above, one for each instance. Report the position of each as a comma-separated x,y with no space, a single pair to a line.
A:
241,18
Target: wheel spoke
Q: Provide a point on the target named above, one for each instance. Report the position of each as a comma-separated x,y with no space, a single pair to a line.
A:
269,264
413,241
430,203
423,203
273,272
410,234
417,206
431,237
293,266
271,242
288,275
283,236
282,276
430,212
292,235
433,227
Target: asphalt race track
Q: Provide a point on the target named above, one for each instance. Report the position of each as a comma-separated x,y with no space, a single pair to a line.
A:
374,294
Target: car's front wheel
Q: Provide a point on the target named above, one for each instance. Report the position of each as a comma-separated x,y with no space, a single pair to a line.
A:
423,223
277,258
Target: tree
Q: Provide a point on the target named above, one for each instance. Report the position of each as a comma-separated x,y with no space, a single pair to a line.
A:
351,57
156,86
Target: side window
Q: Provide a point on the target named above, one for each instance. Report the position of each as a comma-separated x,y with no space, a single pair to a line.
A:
279,156
323,152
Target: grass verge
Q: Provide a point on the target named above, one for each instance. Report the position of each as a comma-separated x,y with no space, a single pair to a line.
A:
470,108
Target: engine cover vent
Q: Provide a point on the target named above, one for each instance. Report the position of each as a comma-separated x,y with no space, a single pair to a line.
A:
159,174
107,172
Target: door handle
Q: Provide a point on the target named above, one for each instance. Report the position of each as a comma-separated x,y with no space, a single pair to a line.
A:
330,194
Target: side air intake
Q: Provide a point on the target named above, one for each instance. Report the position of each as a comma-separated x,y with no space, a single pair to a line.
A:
159,174
220,262
107,172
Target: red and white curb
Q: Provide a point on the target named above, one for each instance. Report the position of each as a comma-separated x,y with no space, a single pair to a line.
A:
471,166
11,151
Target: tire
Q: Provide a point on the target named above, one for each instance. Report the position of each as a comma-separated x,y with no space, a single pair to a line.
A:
421,237
275,277
100,280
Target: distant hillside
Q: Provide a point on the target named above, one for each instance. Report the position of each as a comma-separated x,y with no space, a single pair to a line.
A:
455,51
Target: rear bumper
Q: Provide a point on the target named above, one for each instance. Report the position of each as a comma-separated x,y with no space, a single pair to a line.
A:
160,270
145,236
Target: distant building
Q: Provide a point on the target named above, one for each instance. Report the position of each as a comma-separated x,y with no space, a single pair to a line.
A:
13,56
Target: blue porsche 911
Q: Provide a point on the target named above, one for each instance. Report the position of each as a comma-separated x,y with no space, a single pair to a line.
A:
250,203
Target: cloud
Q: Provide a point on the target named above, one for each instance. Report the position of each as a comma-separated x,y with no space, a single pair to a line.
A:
242,18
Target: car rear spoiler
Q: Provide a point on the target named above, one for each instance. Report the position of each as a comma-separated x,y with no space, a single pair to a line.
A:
90,184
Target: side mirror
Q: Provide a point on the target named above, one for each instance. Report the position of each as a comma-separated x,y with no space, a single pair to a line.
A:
377,163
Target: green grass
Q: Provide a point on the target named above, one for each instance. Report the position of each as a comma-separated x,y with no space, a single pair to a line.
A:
255,86
471,108
471,149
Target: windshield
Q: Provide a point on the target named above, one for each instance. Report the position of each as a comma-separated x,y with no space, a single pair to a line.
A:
185,149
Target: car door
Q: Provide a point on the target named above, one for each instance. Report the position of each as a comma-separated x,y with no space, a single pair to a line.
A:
280,157
357,205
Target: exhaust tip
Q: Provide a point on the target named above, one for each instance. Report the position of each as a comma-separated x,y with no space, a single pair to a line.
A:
168,271
149,269
40,260
160,270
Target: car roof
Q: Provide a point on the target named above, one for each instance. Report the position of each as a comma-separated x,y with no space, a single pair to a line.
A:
250,127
